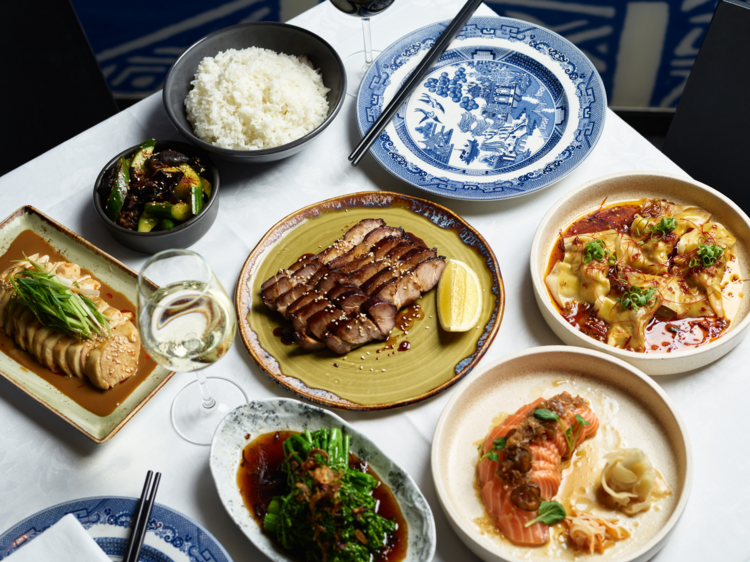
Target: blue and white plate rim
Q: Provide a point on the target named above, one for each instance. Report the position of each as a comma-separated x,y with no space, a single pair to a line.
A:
183,525
406,166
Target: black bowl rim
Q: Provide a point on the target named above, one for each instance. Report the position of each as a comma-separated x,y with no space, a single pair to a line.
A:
156,234
169,80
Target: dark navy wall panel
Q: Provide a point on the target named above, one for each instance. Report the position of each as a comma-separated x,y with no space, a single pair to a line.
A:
643,49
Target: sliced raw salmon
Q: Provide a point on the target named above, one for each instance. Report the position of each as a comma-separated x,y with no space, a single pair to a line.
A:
546,471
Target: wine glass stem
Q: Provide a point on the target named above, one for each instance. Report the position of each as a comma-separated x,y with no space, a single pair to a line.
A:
368,41
208,401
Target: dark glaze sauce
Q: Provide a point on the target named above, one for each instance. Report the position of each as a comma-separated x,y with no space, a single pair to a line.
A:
98,402
260,479
286,337
663,334
405,322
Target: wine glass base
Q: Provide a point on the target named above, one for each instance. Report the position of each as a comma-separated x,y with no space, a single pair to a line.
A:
355,70
197,424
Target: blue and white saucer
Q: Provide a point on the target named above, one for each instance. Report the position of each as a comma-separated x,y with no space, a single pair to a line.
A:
510,108
171,536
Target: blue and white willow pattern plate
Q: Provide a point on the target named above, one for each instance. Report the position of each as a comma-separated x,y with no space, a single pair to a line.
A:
171,536
510,108
245,423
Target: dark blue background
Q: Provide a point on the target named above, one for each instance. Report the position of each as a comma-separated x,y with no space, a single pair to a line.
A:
137,40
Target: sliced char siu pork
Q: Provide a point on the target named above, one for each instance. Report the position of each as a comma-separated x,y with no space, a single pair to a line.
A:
350,293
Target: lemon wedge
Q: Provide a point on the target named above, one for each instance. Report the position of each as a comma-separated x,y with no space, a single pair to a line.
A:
459,297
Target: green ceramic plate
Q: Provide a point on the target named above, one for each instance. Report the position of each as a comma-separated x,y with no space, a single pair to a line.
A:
377,375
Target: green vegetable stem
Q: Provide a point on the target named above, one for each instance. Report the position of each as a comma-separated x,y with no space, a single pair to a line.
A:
329,513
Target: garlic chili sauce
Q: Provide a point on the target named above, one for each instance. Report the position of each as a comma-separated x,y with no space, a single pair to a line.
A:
663,335
260,479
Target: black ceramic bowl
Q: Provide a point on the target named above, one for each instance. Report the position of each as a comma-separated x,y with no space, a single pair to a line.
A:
278,37
182,236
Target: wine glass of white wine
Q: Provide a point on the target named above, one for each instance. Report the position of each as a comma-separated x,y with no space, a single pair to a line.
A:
187,323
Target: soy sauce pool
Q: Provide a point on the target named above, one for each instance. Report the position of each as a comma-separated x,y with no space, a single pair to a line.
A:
260,479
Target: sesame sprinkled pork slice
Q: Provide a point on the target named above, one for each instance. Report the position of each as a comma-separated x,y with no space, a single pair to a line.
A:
407,288
303,301
299,318
382,312
336,344
322,321
366,245
353,236
299,264
308,343
405,262
351,301
359,330
339,290
284,284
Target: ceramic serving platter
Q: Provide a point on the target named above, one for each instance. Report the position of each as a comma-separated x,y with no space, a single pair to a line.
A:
105,268
246,423
633,412
509,109
632,186
170,536
377,375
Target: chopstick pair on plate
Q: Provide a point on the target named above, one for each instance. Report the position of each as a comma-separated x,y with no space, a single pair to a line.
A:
141,516
416,77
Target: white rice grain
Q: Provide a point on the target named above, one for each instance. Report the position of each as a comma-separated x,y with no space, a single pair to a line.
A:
254,98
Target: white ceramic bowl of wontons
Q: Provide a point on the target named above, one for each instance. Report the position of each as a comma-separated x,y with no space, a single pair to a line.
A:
574,282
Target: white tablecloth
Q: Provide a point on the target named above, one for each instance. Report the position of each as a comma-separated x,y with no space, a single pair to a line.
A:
43,461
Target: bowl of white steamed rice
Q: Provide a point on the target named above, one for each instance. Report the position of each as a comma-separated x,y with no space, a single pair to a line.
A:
255,92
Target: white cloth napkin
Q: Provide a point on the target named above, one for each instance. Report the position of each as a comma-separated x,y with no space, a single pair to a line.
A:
65,541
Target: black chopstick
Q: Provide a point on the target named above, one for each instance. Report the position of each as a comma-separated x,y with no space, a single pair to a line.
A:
142,515
416,77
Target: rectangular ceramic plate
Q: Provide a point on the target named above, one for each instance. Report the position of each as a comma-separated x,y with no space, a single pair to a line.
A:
106,269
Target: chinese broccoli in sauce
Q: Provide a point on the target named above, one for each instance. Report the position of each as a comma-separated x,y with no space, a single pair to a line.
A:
329,514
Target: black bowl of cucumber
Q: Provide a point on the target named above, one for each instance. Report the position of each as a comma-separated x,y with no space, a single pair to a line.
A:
158,195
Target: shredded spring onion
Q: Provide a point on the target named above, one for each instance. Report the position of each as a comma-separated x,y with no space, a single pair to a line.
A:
49,297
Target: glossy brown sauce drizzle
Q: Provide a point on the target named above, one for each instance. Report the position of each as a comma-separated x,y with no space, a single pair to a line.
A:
404,322
663,334
286,337
98,402
260,479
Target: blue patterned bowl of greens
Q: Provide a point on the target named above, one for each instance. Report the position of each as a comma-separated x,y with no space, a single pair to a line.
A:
244,424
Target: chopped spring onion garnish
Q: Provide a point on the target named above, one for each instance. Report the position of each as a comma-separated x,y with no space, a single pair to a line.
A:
49,297
594,250
708,254
635,297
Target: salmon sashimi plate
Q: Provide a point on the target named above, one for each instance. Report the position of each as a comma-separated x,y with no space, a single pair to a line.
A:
521,463
349,294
